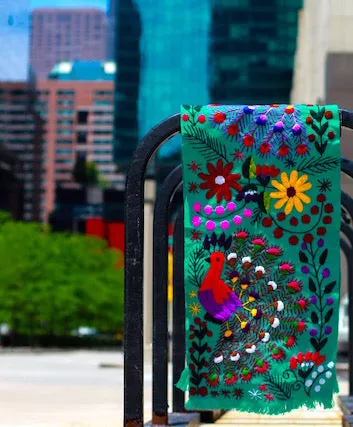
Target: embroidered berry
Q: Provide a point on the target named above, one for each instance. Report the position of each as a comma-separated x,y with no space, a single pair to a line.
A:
293,221
233,129
201,119
314,210
267,222
248,140
311,137
329,208
192,328
219,117
192,336
209,333
193,391
328,115
203,324
289,109
185,117
309,120
283,150
192,351
321,231
278,233
281,216
197,321
301,326
203,391
305,219
327,220
192,367
293,240
331,135
209,349
308,238
321,198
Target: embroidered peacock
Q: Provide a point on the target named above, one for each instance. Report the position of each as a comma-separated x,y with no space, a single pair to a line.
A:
255,298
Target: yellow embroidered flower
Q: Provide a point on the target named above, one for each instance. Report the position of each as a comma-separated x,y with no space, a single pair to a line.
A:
194,308
291,192
193,294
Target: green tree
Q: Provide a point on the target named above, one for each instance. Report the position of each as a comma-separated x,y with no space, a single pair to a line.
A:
85,172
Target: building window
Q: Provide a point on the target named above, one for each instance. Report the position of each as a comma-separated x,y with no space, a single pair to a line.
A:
103,92
82,117
103,102
66,92
63,151
65,112
63,141
64,122
82,137
65,102
64,132
63,161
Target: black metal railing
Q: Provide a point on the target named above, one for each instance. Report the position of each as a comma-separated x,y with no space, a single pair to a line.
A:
134,248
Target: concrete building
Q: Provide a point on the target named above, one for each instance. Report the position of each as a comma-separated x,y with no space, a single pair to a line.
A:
111,31
21,133
65,35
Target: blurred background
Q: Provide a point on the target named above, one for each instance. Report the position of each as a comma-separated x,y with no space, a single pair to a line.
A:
81,82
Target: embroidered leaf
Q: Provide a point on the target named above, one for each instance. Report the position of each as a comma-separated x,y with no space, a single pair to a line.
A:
318,147
323,128
321,165
315,128
281,389
201,362
314,115
209,146
246,167
196,381
203,348
186,107
198,108
221,240
303,258
329,287
314,343
321,112
312,286
228,243
323,257
267,201
322,344
196,347
193,358
323,147
206,243
213,239
195,266
328,315
252,169
314,317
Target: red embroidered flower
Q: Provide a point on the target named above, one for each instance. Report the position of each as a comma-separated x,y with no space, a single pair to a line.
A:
241,235
283,150
230,378
263,387
238,155
219,181
219,117
201,119
193,188
193,166
266,170
301,149
233,129
246,375
213,380
294,286
261,366
248,140
269,397
265,148
316,358
277,354
290,341
185,117
196,235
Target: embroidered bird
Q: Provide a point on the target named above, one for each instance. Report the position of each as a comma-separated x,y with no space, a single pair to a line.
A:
218,299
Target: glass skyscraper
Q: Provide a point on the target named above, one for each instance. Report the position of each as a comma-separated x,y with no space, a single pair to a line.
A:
252,50
219,51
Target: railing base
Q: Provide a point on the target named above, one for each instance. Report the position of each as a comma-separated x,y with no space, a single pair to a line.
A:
180,420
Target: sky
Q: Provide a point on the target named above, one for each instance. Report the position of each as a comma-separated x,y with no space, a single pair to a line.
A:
14,32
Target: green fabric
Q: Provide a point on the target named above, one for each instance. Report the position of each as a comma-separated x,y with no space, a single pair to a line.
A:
262,256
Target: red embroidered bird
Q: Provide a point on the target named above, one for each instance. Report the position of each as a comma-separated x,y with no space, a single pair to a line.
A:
218,299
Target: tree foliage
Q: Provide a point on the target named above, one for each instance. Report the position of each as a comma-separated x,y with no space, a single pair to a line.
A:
85,172
51,283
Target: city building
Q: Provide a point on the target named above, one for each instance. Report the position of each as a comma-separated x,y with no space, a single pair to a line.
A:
78,98
173,67
252,50
111,31
65,35
22,133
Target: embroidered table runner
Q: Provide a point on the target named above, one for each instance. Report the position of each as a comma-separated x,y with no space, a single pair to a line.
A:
262,255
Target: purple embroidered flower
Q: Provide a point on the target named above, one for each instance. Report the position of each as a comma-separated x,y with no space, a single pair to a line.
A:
320,243
196,221
296,129
278,127
249,109
305,269
313,332
325,273
328,330
313,299
329,301
261,120
304,246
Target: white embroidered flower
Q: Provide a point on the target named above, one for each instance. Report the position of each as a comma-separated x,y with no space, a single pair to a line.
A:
275,322
255,394
246,259
279,306
272,284
259,269
266,338
330,365
218,359
251,349
235,356
232,255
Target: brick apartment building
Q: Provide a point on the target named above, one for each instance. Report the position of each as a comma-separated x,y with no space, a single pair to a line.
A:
75,105
66,35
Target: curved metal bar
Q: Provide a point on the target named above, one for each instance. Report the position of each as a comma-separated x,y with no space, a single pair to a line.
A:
160,297
346,118
133,273
178,310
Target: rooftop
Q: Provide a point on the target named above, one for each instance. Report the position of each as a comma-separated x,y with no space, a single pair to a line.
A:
83,70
